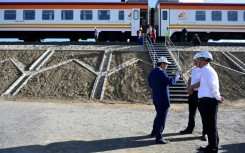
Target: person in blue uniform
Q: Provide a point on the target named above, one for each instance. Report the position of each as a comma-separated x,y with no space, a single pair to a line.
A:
159,81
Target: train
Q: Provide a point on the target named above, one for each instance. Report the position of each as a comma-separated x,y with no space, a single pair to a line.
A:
33,21
119,21
209,20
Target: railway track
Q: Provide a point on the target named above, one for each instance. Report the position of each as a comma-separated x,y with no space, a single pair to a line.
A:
117,43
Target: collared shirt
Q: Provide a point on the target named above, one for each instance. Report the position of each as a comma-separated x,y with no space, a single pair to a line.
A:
96,32
209,84
195,76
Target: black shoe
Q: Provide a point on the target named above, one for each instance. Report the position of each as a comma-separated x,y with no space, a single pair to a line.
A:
203,148
163,142
211,151
186,131
204,137
207,149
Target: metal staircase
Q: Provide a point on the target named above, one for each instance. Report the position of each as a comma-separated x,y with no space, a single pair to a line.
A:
178,91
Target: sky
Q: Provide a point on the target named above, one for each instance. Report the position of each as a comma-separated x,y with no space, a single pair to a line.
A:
152,2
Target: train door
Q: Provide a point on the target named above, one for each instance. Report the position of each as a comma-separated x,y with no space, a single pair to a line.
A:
165,22
135,23
144,19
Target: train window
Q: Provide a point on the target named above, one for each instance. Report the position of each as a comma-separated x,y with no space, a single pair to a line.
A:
104,14
164,15
200,16
121,15
216,16
48,15
66,15
29,14
136,15
86,15
9,14
232,15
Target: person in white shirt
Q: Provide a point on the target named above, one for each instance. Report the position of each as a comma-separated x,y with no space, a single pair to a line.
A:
167,36
209,98
96,35
193,99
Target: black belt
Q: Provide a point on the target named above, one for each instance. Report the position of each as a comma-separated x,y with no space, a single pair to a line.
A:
205,98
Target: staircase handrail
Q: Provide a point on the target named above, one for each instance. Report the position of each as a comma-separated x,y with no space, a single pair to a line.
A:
180,60
151,49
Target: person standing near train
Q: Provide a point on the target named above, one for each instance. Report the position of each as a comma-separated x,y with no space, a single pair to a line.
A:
159,81
153,35
209,97
196,40
139,37
149,30
184,35
167,36
96,35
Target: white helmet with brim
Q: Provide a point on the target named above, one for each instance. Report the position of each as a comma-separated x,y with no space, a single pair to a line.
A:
205,54
163,59
196,56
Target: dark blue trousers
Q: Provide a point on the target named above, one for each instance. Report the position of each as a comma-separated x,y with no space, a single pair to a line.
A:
159,121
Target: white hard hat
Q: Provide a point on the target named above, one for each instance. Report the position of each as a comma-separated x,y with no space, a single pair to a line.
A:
163,59
206,54
196,56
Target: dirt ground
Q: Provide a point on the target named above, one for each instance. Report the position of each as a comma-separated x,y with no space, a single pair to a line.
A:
73,82
63,127
53,112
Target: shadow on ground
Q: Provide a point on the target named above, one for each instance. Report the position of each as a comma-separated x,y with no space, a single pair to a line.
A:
84,146
109,145
231,148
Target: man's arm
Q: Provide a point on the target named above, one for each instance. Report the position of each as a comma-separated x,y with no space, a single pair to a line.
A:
197,85
189,91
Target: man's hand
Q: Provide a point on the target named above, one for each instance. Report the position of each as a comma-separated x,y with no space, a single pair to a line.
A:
189,90
177,73
221,100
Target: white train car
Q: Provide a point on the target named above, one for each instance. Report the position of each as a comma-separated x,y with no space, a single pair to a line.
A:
33,21
209,20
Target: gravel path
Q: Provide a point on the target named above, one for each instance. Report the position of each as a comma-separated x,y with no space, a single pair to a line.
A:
51,127
39,126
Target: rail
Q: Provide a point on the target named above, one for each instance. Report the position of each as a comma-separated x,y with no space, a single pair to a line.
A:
235,61
230,69
183,65
151,49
